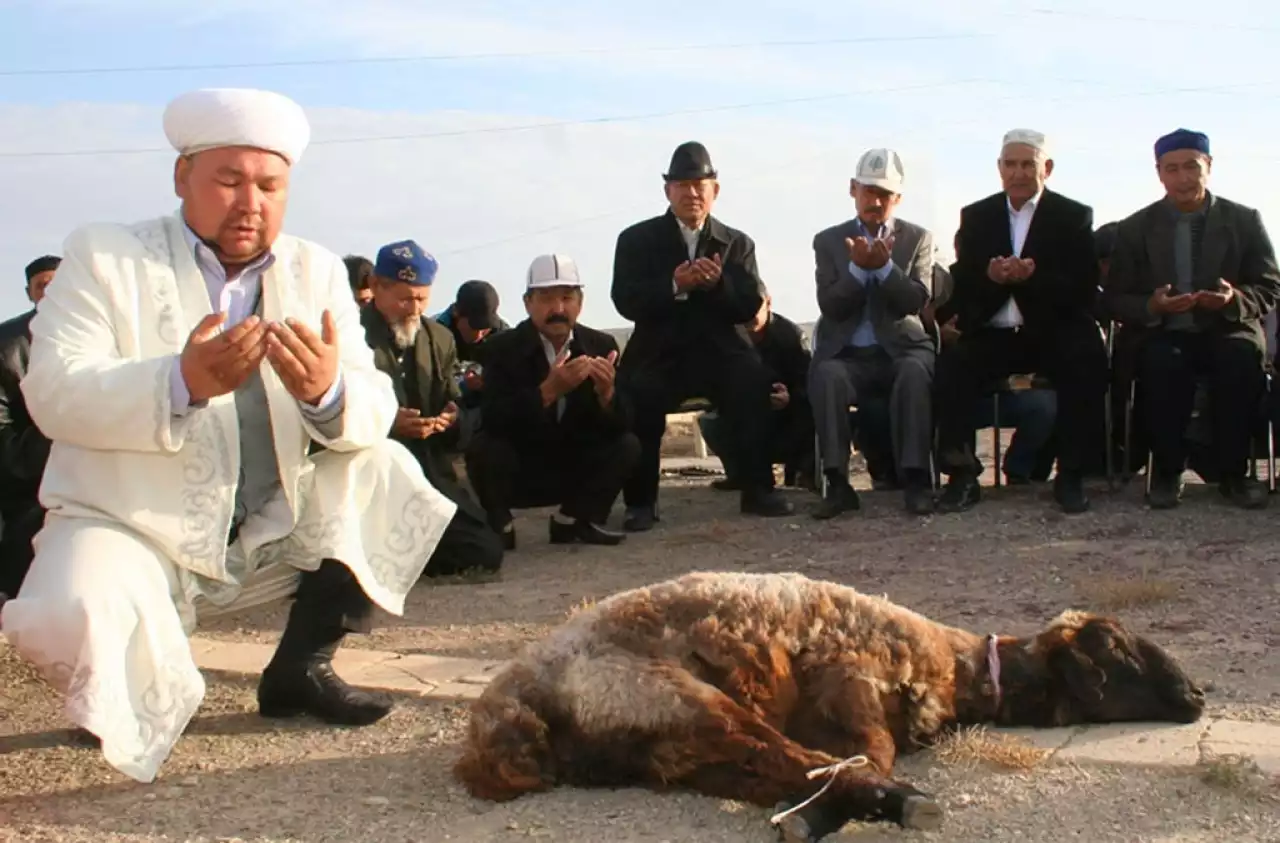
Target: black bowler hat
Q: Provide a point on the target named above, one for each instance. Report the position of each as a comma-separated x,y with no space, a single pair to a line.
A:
690,161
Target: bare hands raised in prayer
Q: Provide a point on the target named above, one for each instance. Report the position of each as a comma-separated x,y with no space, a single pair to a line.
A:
1010,270
780,397
700,273
869,254
215,363
1161,303
602,373
1215,299
306,363
564,377
410,424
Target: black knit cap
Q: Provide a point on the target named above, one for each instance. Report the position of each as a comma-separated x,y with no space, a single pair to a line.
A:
46,263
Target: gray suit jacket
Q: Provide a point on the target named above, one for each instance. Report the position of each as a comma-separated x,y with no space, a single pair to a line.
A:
1236,247
895,305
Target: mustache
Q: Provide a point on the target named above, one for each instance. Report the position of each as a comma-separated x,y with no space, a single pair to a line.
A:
557,319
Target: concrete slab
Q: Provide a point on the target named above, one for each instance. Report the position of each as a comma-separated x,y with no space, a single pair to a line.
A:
1259,741
1147,744
460,691
386,677
1050,739
231,656
438,669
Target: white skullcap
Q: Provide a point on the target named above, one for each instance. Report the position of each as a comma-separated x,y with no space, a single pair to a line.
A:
1032,138
214,117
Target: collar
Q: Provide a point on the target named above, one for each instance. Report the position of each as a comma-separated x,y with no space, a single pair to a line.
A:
208,261
714,229
885,228
1031,203
1176,214
686,230
549,349
993,666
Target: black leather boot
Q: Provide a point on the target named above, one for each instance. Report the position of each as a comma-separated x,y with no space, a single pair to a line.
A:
300,678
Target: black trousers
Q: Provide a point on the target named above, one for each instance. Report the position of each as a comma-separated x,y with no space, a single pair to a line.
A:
736,383
328,604
790,439
20,525
468,543
1169,365
583,477
1073,357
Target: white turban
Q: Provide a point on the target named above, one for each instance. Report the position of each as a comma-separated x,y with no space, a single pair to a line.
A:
216,117
1030,137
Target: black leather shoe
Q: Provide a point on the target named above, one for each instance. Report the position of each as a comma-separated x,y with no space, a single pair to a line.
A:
840,498
766,503
1166,492
1244,492
918,499
312,687
960,494
508,538
639,519
583,531
1068,491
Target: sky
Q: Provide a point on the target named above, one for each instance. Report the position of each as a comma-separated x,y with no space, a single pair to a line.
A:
494,130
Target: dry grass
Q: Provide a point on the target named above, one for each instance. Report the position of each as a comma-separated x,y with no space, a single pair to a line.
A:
975,745
581,606
1239,774
1112,593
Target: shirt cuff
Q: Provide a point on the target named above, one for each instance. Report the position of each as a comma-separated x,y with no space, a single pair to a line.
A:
180,402
680,295
862,276
331,404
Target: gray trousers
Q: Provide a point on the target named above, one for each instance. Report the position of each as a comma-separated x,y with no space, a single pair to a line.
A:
841,382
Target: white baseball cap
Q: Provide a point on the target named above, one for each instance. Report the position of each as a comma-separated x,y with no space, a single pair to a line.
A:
881,168
553,271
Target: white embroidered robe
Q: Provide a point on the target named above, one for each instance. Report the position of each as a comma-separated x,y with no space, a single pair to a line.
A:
134,549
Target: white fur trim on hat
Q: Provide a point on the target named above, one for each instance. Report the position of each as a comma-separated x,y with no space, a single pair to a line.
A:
215,117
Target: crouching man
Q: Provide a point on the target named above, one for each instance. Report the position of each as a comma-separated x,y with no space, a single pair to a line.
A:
555,429
182,368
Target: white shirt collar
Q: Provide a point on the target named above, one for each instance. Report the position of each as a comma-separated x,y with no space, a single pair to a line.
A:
1028,206
550,350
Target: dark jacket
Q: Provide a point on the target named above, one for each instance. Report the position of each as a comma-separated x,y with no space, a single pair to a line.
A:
1236,247
1060,241
783,353
468,352
512,410
427,389
23,448
668,329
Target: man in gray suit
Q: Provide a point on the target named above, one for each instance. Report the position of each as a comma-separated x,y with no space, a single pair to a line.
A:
874,276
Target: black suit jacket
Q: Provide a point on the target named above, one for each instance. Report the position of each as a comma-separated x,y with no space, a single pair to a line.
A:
23,448
783,353
1236,247
515,369
667,329
1060,240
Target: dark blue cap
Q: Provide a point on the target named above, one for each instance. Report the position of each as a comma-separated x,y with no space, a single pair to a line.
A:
1182,139
408,262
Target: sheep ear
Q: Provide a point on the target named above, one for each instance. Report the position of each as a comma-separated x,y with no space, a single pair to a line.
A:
1082,677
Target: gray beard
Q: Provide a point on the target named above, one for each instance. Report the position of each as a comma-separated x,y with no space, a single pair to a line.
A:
406,333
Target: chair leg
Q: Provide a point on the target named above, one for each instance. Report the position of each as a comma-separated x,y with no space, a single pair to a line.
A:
817,466
699,444
1271,456
1128,431
1108,428
1150,465
995,435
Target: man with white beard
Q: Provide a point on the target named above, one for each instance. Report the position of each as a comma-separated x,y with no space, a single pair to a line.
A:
183,368
420,356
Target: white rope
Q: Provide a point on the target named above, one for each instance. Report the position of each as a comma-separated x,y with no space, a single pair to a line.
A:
830,771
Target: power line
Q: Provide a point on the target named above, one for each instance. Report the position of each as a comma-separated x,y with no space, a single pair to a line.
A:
1198,25
453,133
445,57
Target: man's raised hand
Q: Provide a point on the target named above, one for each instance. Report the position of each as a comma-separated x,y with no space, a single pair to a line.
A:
307,363
216,362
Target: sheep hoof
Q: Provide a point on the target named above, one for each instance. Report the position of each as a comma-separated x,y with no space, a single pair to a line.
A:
921,813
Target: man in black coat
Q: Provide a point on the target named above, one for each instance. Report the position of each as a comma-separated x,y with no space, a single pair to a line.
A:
1192,277
23,448
555,426
781,346
688,281
1026,280
418,355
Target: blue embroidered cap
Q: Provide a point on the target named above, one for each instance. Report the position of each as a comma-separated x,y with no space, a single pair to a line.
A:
1182,139
408,262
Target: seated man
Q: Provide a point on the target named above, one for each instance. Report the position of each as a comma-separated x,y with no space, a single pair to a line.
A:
418,355
472,319
874,274
23,448
555,428
1025,284
183,367
688,281
781,347
1193,275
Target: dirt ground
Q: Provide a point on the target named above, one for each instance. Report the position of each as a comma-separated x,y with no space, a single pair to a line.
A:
1203,580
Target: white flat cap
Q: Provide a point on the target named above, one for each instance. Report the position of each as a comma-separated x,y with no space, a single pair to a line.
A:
881,168
1032,138
215,117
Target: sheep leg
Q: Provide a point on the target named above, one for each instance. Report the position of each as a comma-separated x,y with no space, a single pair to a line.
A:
731,753
843,716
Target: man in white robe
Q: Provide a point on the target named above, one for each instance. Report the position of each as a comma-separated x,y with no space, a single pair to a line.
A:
219,440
